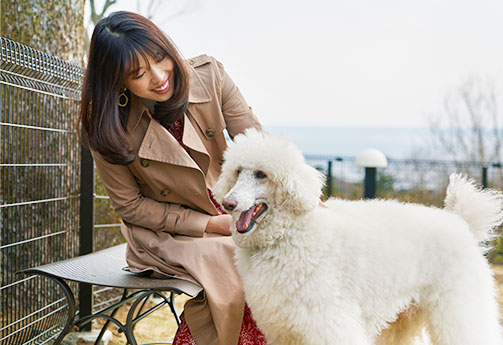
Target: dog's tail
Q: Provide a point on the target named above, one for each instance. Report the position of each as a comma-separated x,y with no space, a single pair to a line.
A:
481,209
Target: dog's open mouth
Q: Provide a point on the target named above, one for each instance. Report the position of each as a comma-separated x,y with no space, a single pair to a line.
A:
247,218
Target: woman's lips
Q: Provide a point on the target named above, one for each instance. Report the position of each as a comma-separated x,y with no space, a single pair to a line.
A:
163,88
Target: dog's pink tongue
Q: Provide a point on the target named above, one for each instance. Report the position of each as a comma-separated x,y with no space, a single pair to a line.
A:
245,219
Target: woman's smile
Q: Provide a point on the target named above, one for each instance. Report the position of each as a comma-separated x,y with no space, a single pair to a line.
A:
163,88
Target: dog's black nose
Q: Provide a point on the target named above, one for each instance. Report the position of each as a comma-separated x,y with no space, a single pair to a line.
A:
229,204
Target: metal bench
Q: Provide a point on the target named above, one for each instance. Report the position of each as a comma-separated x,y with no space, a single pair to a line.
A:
106,268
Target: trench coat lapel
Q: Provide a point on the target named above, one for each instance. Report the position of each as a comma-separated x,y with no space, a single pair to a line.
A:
159,145
193,141
198,93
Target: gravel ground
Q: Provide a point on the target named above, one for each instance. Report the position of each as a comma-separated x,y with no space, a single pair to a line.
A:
498,273
161,326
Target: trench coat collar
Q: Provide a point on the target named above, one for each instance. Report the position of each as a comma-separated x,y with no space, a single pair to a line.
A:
159,145
197,91
197,94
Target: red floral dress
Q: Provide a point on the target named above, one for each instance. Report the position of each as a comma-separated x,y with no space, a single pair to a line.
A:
250,334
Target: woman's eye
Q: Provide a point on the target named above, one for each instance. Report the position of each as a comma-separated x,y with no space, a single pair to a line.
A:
139,76
159,57
259,174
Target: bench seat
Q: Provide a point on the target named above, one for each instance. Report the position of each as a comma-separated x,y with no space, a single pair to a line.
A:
106,268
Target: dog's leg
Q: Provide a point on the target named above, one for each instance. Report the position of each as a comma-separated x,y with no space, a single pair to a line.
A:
465,315
336,327
347,332
408,326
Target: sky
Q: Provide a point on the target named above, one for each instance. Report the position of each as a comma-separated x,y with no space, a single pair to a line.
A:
344,63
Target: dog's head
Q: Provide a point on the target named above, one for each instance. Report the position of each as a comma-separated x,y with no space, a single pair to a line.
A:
265,184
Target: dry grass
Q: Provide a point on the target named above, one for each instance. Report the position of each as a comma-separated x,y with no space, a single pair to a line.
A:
161,326
498,274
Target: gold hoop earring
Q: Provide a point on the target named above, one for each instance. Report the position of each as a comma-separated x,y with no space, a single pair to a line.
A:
126,99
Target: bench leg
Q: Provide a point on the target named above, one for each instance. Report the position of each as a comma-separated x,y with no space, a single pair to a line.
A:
142,299
111,318
172,306
72,309
129,327
144,303
112,315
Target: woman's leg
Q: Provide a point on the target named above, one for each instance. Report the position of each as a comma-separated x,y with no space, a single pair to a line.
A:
249,335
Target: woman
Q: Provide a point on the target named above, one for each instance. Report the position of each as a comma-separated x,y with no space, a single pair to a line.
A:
154,124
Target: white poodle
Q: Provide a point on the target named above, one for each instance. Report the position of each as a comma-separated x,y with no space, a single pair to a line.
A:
356,272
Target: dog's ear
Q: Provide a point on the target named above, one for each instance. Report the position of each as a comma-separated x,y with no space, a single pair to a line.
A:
301,189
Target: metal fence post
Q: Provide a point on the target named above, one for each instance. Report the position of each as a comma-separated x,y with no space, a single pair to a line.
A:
329,179
86,228
369,187
485,182
371,159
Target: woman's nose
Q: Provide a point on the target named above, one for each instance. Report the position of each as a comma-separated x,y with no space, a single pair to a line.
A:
157,74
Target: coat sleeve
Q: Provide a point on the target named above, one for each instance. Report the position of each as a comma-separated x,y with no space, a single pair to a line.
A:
237,113
133,207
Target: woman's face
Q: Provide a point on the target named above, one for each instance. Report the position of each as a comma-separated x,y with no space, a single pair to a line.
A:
155,82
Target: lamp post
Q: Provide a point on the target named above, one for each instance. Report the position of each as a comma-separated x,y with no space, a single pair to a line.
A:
371,159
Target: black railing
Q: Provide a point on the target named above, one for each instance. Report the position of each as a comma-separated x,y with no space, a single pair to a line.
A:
345,178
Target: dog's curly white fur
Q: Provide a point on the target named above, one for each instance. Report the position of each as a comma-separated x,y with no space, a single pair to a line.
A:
356,272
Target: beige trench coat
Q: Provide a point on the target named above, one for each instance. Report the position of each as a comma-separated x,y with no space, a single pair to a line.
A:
163,201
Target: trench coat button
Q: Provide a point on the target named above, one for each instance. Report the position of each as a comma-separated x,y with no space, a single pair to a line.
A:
210,132
145,163
191,62
165,192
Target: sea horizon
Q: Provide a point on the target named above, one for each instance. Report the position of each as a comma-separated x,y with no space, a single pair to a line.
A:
349,141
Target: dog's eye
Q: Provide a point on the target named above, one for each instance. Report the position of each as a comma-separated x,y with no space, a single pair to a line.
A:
238,171
259,174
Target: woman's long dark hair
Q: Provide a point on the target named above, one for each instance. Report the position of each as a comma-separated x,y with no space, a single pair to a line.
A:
117,42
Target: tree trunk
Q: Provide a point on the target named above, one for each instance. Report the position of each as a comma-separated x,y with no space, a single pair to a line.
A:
55,27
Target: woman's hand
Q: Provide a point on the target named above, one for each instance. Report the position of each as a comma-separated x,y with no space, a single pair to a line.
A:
220,224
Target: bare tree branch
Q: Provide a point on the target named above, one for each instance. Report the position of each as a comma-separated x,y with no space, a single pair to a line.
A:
158,10
175,8
107,4
470,125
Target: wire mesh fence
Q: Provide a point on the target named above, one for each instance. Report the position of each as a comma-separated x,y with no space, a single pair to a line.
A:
39,197
39,201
